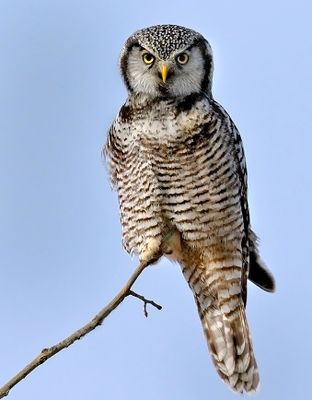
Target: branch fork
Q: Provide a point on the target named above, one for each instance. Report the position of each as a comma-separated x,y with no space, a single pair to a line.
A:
145,301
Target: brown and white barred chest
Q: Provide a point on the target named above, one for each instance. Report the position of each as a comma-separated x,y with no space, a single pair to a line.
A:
175,168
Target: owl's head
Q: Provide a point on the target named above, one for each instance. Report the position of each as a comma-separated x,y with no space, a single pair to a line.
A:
167,61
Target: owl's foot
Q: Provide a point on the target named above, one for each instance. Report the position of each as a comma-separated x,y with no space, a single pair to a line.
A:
171,245
151,250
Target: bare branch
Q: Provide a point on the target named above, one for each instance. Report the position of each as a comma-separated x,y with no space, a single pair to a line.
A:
96,321
145,301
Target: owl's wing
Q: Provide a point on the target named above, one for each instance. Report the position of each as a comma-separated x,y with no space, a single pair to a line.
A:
113,154
255,269
258,272
241,170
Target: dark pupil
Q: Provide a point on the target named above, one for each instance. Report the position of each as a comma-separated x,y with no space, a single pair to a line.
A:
148,57
182,58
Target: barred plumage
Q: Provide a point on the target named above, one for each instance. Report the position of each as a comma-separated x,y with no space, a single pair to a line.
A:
177,161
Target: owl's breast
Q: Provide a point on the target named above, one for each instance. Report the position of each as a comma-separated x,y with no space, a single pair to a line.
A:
178,169
198,187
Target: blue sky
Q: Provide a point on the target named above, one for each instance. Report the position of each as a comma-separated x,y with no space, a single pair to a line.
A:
60,240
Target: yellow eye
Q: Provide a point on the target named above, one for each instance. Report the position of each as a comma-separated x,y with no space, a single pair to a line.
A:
148,58
182,58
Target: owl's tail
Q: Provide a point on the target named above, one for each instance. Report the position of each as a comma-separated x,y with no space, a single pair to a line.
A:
231,348
219,292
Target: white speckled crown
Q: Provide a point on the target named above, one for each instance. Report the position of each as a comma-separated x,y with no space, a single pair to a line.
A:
166,39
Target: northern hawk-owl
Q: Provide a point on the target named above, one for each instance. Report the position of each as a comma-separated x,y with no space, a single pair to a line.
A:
177,161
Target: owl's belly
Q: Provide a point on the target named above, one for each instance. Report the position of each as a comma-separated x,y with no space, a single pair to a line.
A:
180,179
201,199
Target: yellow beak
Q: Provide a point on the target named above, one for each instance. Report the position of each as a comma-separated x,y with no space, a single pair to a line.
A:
164,72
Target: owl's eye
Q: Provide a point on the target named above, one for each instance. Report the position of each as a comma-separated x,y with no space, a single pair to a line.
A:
148,58
182,58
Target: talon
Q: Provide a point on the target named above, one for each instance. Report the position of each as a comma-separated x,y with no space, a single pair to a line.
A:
171,245
151,249
167,251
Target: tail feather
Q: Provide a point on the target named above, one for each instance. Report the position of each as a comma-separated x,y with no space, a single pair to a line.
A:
230,345
218,291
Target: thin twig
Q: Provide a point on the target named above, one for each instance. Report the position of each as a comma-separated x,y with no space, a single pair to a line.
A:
145,301
96,321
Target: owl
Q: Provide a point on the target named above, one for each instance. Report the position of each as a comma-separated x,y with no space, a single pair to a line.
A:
177,161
